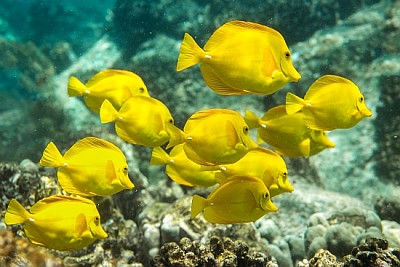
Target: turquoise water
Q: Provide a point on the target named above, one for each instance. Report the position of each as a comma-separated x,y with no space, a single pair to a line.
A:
341,196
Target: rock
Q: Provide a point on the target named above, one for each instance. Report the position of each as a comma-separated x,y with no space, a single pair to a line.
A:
216,252
374,252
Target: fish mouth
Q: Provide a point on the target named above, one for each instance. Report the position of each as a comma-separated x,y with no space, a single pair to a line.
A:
287,75
365,111
284,73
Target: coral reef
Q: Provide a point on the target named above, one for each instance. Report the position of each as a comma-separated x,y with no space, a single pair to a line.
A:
152,222
16,251
216,252
374,252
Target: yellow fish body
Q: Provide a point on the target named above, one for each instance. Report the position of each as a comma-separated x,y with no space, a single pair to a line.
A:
332,102
214,137
287,134
241,58
91,167
141,120
115,85
58,222
261,163
181,169
239,199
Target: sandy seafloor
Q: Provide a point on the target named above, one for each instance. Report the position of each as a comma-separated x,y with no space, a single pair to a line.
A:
343,196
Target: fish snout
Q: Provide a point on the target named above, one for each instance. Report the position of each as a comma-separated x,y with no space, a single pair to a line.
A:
366,112
101,233
294,75
267,205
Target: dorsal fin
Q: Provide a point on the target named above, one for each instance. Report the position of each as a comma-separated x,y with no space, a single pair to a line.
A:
46,202
324,81
90,142
232,28
197,117
274,113
107,74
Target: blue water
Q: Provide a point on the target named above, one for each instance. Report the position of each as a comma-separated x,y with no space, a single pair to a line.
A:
42,43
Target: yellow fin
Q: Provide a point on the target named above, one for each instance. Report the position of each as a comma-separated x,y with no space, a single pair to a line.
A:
294,103
193,156
269,64
106,74
198,204
52,157
305,147
190,53
80,224
89,143
175,176
45,202
259,139
16,213
232,136
324,81
159,156
220,177
67,184
203,114
251,119
110,172
93,103
216,84
107,112
76,87
234,27
274,113
176,135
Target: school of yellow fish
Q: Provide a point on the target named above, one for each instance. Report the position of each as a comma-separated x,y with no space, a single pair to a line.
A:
214,149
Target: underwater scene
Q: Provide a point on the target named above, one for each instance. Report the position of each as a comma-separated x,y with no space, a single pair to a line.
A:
200,133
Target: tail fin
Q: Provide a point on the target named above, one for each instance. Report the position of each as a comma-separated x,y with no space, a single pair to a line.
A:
198,204
76,87
52,157
294,103
16,213
176,135
107,112
159,156
190,53
251,119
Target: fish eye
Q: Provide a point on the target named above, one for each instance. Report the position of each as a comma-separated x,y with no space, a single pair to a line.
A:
266,195
125,170
361,99
284,174
287,54
96,220
171,121
245,129
141,90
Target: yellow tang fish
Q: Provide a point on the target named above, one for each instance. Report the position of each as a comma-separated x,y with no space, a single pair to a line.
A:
239,199
261,163
91,167
332,102
241,58
141,120
181,169
115,85
287,134
213,137
58,222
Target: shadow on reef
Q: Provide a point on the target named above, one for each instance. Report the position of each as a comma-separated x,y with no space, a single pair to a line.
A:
226,252
387,127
